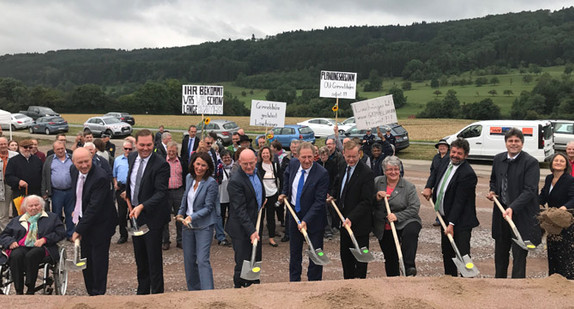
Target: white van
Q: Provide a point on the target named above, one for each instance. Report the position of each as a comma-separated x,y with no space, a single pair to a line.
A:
486,138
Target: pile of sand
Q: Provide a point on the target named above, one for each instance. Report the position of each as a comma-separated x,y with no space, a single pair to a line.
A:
553,220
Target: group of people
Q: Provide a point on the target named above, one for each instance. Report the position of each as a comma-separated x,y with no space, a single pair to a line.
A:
217,192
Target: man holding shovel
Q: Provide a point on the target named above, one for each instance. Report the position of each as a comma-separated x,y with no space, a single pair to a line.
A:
247,196
514,181
455,199
95,217
306,186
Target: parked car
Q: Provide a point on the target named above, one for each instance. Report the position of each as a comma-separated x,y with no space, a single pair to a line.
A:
18,121
486,138
322,127
39,111
223,128
286,134
346,124
49,125
108,125
563,133
401,135
121,116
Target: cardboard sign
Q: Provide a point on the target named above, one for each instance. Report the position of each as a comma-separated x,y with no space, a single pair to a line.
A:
342,85
374,112
267,113
199,99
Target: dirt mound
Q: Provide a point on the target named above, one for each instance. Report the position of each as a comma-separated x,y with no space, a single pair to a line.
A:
553,220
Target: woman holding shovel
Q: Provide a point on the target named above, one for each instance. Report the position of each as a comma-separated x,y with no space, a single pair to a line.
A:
558,194
198,208
404,205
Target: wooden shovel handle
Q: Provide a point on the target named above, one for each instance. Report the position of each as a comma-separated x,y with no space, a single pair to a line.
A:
341,217
512,225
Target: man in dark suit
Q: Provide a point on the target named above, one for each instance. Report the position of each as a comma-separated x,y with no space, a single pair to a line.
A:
454,195
161,147
247,192
514,180
95,217
189,144
146,190
354,189
309,204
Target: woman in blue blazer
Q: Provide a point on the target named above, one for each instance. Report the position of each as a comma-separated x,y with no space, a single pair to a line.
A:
198,208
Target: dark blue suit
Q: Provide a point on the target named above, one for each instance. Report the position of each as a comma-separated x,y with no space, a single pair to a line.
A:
97,225
312,212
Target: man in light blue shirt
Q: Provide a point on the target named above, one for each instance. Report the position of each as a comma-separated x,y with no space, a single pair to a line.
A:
120,174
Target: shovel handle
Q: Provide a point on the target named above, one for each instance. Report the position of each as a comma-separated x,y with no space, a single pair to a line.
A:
512,225
77,242
292,211
342,219
395,236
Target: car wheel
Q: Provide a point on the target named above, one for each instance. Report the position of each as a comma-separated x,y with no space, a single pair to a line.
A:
13,127
47,131
341,131
31,130
220,141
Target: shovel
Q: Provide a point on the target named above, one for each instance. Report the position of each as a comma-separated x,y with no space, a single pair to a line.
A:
251,270
464,263
136,230
363,254
524,244
396,238
316,255
78,263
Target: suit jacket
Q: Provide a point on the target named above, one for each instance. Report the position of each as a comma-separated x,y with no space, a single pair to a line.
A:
435,168
459,199
313,196
403,202
522,190
205,203
242,205
561,195
99,215
152,192
184,154
358,202
159,149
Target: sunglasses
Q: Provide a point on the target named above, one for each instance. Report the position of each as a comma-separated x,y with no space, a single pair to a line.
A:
27,147
127,148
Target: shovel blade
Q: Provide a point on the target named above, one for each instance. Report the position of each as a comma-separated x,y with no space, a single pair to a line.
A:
142,230
524,244
76,266
250,271
363,255
466,267
318,256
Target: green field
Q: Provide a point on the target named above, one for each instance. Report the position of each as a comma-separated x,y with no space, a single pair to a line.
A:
421,93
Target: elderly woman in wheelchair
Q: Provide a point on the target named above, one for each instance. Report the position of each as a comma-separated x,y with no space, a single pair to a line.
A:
29,240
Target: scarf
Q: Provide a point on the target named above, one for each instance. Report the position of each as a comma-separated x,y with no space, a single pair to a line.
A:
32,235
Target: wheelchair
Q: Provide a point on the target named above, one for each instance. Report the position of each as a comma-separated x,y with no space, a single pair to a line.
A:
53,276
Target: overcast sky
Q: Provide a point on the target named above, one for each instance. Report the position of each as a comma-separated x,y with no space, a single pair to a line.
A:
40,25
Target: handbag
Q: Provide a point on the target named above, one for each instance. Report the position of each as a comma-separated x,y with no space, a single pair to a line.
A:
18,201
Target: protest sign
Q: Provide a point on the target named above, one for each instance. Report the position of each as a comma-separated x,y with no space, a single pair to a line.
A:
267,113
339,85
199,99
374,112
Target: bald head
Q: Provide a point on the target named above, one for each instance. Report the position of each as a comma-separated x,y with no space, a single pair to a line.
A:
82,159
247,161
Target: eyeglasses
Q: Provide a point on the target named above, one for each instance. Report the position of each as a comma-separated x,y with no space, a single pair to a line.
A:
127,148
27,147
209,143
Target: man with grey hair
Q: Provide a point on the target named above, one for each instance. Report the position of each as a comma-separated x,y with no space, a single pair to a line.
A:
284,165
57,184
161,147
99,160
120,175
5,191
175,191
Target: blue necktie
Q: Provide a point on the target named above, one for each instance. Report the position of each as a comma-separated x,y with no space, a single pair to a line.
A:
299,191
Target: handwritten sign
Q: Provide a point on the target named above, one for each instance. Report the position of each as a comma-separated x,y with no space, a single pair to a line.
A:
199,99
374,112
267,113
342,85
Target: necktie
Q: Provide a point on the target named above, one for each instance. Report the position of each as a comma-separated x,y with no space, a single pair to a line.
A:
442,187
344,188
299,191
78,207
190,148
135,200
504,189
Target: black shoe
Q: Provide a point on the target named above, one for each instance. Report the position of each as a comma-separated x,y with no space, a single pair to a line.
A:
411,272
273,244
285,238
224,243
122,240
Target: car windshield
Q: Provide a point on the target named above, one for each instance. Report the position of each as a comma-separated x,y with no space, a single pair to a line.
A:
230,125
349,121
46,110
20,116
399,130
110,120
53,119
305,130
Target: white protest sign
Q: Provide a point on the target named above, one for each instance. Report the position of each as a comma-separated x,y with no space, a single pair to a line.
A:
374,112
199,99
342,85
267,113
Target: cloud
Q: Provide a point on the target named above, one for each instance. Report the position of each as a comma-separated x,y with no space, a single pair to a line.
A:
39,26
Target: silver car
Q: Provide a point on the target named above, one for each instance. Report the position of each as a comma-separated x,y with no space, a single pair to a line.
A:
107,125
563,133
19,121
